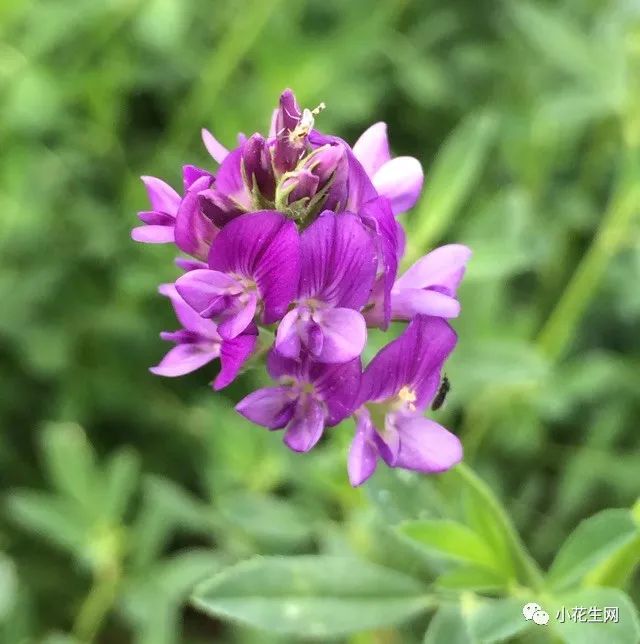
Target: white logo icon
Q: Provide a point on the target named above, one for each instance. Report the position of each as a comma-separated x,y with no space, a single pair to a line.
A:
533,611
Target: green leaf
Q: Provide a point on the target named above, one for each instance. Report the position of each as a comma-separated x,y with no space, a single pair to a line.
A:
626,631
451,540
121,474
448,626
489,519
592,542
495,620
70,462
617,569
50,517
472,577
451,179
312,596
555,38
8,585
267,519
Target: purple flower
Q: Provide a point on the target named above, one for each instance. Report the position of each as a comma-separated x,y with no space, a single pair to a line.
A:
198,343
229,197
214,147
254,267
161,219
377,216
396,387
194,232
338,266
429,286
310,397
177,219
291,129
399,179
306,190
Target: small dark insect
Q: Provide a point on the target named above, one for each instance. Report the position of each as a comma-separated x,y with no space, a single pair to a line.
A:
438,401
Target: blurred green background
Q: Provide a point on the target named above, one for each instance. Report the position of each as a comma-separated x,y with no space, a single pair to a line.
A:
120,489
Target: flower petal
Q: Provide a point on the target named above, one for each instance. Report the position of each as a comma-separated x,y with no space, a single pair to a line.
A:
162,196
153,234
409,302
337,386
214,147
306,426
155,218
363,454
443,267
191,174
426,446
262,246
372,148
240,319
400,180
271,407
344,334
338,261
188,318
288,336
194,232
378,216
185,358
202,288
413,360
233,354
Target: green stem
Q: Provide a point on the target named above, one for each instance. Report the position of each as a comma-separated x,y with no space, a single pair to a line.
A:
96,606
612,233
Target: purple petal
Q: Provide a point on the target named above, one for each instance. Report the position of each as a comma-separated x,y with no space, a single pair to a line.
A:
191,174
363,454
288,113
409,302
313,337
302,183
378,216
153,234
214,147
279,366
400,180
338,261
372,148
229,179
412,360
162,196
155,218
344,334
443,267
194,232
187,264
337,385
185,358
262,246
258,166
219,207
426,446
188,318
288,336
306,426
271,407
233,354
235,324
201,289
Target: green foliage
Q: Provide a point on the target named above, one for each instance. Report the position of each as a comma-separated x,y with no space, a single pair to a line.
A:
319,597
122,492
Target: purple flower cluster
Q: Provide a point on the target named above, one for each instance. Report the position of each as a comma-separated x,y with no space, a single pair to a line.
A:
294,248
